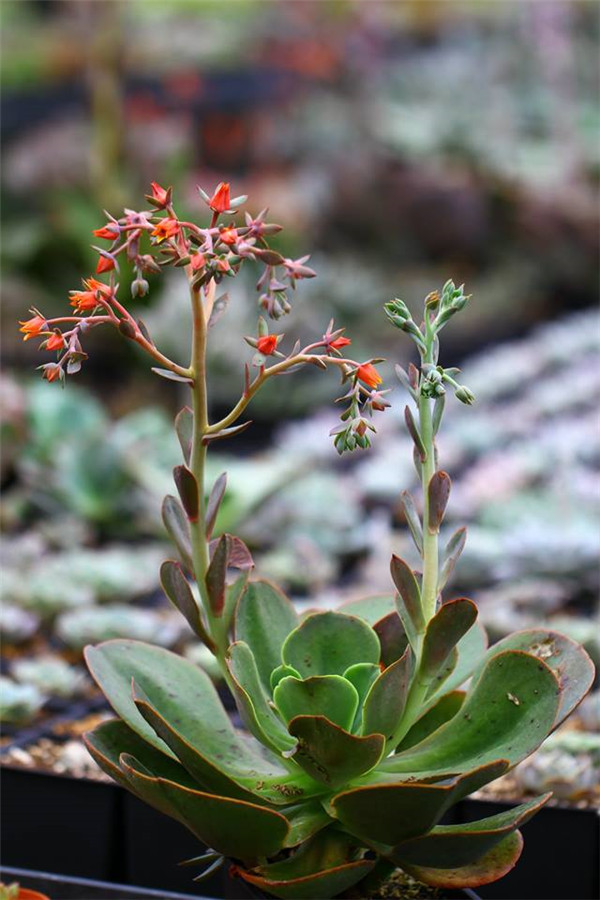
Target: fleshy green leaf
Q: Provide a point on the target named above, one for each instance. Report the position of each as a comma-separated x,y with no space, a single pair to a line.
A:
507,714
187,488
324,867
331,755
216,574
327,695
282,672
455,846
263,620
443,710
234,828
492,866
329,643
177,589
306,819
386,700
362,676
444,631
567,659
177,690
253,703
391,813
110,739
392,637
471,650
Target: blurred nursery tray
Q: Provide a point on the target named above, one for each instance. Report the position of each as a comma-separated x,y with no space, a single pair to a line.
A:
80,888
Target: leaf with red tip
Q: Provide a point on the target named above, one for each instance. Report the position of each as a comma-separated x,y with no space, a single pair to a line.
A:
414,433
234,828
492,866
438,492
395,812
444,631
408,602
177,589
187,487
215,576
324,867
392,637
331,755
455,846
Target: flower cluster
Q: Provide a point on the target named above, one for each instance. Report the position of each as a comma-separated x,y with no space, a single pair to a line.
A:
152,239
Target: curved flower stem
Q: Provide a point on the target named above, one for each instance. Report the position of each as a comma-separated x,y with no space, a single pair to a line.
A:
264,375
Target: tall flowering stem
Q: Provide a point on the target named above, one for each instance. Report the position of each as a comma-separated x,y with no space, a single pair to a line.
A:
427,386
149,241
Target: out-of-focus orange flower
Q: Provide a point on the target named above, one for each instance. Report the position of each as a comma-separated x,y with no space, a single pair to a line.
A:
220,200
32,327
368,374
107,232
105,264
55,342
159,194
267,344
223,265
340,342
166,228
52,372
229,235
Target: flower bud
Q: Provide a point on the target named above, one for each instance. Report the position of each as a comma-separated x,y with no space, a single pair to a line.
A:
465,395
139,287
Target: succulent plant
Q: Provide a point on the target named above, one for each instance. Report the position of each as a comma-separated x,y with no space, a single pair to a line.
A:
361,736
50,674
19,703
80,626
16,625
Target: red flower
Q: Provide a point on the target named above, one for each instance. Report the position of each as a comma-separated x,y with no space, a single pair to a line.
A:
88,299
105,264
108,232
223,265
166,228
159,194
52,372
32,327
220,200
229,235
267,344
55,342
340,342
368,374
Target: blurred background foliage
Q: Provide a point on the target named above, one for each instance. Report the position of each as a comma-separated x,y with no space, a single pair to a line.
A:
400,143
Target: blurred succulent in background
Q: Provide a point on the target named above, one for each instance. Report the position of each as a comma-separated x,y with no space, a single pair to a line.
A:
16,625
91,623
568,765
51,675
19,703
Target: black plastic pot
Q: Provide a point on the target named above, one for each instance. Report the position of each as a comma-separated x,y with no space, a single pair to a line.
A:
61,887
61,824
560,859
